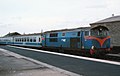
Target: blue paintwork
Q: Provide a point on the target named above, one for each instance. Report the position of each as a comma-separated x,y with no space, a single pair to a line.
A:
87,44
2,42
28,44
6,43
61,42
106,44
23,43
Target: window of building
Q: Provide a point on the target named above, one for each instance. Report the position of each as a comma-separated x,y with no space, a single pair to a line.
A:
53,39
53,34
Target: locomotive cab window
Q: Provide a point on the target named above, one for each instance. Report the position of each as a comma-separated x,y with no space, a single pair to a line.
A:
100,31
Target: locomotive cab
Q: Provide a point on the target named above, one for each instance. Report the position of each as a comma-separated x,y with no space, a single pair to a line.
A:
100,39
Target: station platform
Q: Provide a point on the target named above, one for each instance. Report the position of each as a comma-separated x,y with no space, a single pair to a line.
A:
12,64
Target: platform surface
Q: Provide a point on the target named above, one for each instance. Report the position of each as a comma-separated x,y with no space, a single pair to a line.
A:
16,66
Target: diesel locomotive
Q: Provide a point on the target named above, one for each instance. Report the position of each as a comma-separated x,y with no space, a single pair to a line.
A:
86,39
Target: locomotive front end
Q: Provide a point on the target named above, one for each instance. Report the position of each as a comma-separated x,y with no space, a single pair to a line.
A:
100,40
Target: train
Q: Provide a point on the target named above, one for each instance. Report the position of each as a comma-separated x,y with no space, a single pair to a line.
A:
90,40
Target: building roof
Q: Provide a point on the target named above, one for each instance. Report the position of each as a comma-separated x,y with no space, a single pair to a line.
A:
12,34
110,19
18,34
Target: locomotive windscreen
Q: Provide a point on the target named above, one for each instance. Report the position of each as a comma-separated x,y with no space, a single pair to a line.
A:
100,31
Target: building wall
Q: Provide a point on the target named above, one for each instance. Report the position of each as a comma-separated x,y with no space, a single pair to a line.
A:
114,29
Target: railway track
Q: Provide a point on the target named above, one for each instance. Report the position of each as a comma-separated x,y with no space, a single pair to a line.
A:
110,57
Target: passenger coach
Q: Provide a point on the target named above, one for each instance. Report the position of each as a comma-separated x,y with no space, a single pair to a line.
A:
31,40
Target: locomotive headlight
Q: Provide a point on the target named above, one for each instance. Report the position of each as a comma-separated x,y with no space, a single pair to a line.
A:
83,47
92,47
100,29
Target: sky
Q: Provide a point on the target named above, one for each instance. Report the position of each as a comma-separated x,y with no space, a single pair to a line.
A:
32,16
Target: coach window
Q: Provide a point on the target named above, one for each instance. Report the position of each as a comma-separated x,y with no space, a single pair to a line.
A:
18,39
86,33
31,40
22,39
34,40
39,40
27,39
78,33
15,40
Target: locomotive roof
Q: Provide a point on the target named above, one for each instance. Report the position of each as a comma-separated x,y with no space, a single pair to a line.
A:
110,19
80,28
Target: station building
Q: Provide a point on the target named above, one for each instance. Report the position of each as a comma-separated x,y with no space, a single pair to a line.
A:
113,24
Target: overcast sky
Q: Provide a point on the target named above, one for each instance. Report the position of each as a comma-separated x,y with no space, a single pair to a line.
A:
30,16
